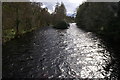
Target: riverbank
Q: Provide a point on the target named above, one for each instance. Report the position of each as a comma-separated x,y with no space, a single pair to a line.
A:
9,34
90,17
107,40
114,51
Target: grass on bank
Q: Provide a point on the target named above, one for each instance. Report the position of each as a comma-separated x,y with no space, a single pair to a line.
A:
9,34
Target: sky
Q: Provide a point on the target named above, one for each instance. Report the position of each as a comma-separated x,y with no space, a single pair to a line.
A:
70,5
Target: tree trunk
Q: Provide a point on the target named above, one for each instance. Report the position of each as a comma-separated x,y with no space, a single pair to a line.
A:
17,23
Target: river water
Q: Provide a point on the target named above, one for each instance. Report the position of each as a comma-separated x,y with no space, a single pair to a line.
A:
52,53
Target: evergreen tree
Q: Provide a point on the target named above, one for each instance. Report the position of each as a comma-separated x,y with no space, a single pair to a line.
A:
60,12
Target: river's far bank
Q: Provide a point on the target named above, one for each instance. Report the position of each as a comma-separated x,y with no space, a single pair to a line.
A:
10,34
23,34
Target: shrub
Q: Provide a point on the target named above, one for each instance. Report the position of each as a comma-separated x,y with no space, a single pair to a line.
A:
61,25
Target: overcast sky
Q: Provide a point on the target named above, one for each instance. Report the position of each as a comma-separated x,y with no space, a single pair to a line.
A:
70,5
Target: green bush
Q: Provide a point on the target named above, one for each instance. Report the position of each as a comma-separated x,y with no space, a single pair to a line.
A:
61,25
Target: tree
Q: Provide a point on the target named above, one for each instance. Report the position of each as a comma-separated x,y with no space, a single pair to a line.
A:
60,12
21,17
100,18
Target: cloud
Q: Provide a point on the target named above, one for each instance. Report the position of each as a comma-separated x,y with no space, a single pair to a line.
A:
43,6
70,5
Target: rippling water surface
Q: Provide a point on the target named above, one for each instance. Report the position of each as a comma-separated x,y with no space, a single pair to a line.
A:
49,53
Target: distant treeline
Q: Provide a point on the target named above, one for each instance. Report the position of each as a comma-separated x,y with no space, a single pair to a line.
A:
21,17
101,18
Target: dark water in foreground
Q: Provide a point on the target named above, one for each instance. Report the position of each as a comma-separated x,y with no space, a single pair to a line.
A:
51,53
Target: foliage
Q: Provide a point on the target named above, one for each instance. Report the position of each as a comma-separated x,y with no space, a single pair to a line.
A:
70,19
100,18
61,25
22,17
59,14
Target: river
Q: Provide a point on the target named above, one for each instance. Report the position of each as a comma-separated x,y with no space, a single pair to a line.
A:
52,53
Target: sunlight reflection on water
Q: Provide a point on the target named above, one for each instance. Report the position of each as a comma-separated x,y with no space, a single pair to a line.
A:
88,56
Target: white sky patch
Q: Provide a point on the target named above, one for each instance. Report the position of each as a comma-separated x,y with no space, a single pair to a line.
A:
50,11
70,5
69,12
43,6
53,7
77,1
